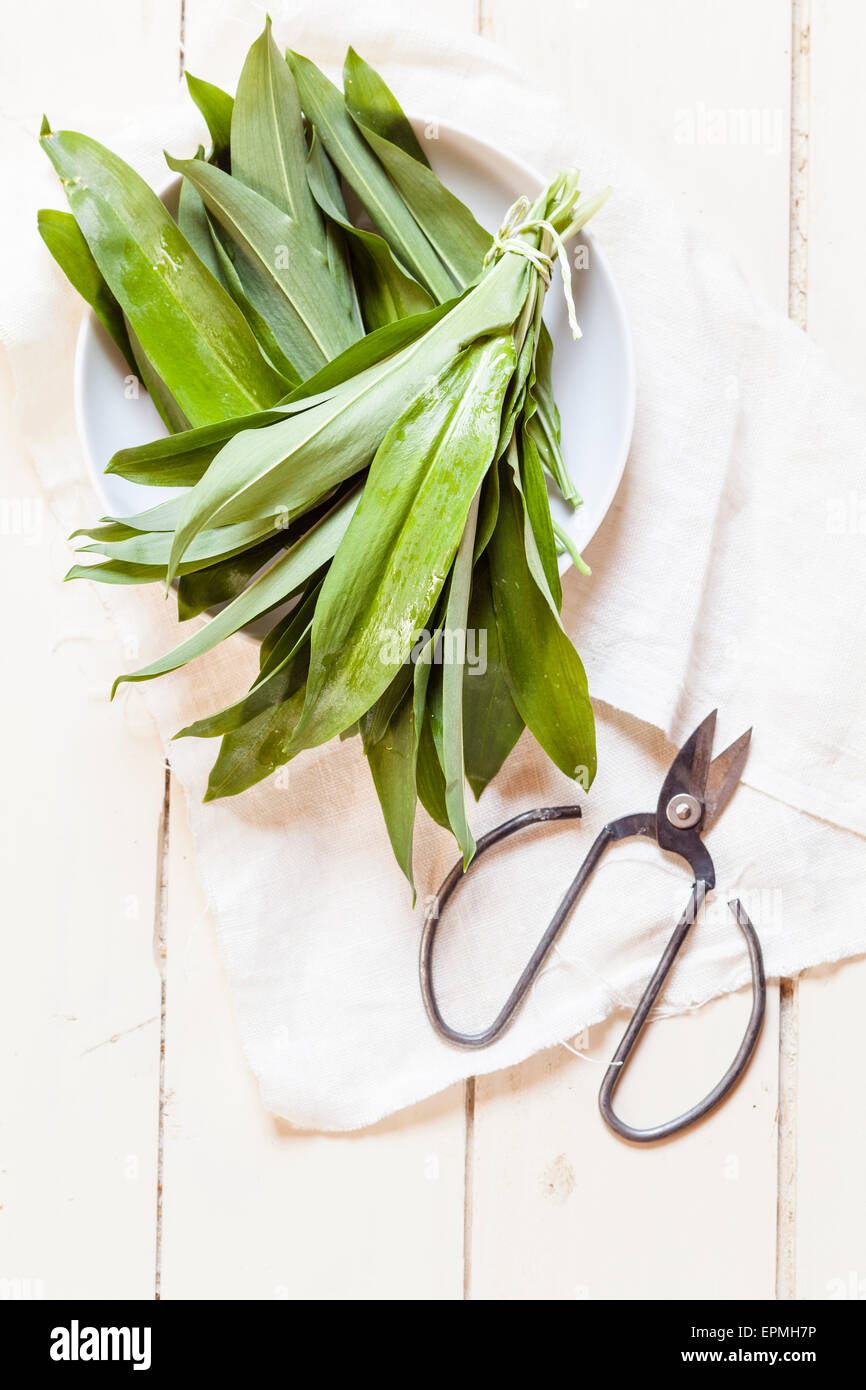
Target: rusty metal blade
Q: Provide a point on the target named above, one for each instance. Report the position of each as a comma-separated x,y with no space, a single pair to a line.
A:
724,774
689,769
700,764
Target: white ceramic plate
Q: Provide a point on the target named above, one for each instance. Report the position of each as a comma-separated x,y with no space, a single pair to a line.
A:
594,378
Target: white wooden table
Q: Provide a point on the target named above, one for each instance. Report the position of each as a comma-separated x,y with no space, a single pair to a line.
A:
135,1157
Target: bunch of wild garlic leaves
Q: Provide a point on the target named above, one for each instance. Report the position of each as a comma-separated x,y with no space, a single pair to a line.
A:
361,421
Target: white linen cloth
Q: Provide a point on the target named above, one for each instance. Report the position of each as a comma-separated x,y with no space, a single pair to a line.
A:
728,572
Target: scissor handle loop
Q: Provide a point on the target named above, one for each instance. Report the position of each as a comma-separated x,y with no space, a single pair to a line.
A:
621,1057
539,955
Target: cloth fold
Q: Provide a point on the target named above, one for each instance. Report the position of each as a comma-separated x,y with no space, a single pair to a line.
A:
729,572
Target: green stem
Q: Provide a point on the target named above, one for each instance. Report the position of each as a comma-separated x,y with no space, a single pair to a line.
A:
568,544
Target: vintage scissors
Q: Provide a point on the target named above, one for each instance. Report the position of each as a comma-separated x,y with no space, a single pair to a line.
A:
694,792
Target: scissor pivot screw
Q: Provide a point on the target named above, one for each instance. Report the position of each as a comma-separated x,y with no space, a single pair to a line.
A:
684,810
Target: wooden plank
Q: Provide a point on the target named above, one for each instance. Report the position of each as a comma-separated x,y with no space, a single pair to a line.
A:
565,1210
255,1209
83,787
561,1209
836,195
831,1214
80,993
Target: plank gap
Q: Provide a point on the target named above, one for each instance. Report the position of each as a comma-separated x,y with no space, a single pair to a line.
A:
160,951
468,1183
182,53
798,298
484,19
162,896
786,1209
798,244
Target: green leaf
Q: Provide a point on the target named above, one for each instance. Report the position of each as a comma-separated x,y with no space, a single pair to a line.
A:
64,240
117,572
524,336
259,706
272,638
256,731
367,93
195,224
265,335
336,240
530,547
454,666
434,698
163,517
221,582
152,547
278,581
545,425
182,460
293,632
269,149
396,554
324,105
283,276
374,723
335,439
386,291
538,515
430,778
367,352
272,688
487,512
167,407
255,750
190,330
460,242
491,721
546,676
216,106
392,761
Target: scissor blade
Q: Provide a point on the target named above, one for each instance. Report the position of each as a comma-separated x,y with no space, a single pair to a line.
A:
689,769
703,751
724,775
